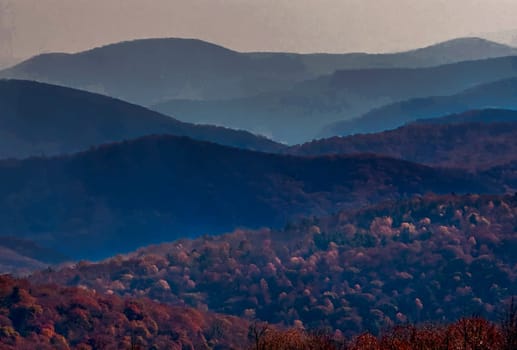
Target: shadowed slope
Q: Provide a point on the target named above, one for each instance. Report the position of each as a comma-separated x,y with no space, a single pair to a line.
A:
121,196
38,119
475,139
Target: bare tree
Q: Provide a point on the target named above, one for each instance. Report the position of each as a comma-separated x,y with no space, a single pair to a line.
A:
257,332
509,326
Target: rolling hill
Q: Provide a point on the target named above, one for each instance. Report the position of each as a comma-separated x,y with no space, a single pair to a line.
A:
41,119
451,51
500,94
121,196
431,258
145,71
298,114
474,140
192,69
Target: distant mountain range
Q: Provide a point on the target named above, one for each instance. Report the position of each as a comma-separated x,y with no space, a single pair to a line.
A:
298,114
500,94
121,196
41,119
474,139
174,179
451,51
148,157
155,70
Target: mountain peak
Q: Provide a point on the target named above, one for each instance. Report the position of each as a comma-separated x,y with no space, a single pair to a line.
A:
469,47
188,44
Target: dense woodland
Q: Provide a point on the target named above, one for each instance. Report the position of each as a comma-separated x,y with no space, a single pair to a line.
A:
56,317
401,240
432,258
466,145
98,203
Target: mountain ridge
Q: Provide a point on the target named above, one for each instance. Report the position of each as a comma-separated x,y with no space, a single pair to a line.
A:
313,104
39,118
498,94
160,65
171,186
475,140
345,271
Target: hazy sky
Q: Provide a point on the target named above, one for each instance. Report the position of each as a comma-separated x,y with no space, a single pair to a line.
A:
28,27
